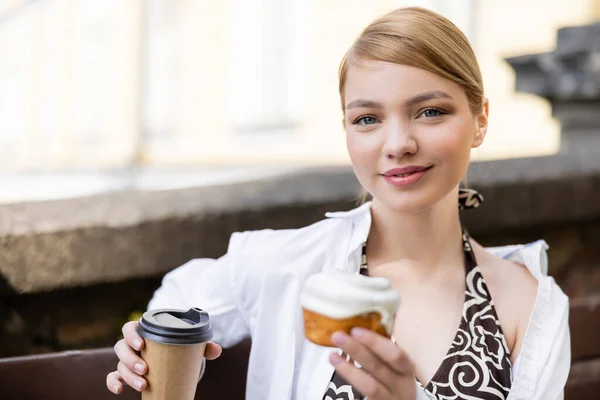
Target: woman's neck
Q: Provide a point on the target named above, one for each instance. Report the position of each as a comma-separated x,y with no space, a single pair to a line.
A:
425,242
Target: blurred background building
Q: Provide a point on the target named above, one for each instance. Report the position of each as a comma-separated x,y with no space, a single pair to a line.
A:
111,84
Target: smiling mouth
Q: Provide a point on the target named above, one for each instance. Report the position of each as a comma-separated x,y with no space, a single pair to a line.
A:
406,179
404,175
407,174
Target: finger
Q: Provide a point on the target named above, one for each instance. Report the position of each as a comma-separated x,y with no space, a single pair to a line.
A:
370,362
359,379
130,358
131,336
114,383
385,350
132,379
213,351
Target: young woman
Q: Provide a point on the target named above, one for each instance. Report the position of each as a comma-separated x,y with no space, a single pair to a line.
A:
474,323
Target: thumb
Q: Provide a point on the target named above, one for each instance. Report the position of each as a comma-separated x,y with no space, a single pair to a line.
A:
213,351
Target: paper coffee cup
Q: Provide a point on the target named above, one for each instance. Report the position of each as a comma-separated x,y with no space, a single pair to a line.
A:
175,344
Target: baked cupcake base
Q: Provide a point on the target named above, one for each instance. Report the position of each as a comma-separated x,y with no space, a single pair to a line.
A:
319,328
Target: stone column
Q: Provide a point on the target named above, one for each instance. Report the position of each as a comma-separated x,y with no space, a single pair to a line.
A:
569,77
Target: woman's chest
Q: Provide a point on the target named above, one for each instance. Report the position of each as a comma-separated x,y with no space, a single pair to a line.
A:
425,327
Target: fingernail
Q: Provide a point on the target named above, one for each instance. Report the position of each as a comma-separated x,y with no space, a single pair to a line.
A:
137,343
116,389
335,359
138,384
338,338
358,332
139,368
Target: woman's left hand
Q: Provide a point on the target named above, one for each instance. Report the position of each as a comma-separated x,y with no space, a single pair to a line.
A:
386,374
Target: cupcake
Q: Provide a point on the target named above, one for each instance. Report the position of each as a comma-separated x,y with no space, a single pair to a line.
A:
335,301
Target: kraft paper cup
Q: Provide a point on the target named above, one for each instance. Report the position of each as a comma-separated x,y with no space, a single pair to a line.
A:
175,344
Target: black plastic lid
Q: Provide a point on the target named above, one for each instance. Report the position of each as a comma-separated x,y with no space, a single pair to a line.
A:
172,326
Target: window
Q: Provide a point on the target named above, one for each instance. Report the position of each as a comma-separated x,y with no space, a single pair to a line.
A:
159,70
269,63
16,67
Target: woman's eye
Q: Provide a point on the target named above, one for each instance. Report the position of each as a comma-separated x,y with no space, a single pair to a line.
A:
432,112
367,120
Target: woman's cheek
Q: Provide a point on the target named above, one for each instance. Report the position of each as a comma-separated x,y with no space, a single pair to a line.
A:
358,148
363,158
452,142
359,161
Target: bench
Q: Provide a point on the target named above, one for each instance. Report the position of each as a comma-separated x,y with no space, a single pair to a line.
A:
77,375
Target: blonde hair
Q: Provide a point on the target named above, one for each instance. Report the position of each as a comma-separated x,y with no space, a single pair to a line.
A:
417,37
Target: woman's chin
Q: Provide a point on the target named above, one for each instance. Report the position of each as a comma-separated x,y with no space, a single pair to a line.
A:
403,204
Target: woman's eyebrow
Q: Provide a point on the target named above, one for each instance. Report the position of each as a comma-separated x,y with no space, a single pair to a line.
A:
360,103
434,94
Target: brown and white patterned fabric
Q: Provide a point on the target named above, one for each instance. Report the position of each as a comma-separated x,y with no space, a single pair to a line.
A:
477,366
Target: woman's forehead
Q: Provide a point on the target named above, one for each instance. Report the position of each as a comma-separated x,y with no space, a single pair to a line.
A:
385,81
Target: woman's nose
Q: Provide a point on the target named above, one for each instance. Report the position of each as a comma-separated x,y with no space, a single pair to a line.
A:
399,142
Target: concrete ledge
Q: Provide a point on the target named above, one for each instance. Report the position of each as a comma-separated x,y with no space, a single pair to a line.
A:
122,208
134,234
521,193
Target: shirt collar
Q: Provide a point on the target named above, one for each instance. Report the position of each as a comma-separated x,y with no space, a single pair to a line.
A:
361,224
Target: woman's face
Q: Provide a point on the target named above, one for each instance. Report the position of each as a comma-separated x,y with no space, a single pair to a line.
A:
409,133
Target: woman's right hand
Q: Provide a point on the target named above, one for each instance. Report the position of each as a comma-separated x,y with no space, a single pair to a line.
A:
131,367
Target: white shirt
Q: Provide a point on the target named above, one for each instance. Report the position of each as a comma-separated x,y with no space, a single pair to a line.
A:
254,290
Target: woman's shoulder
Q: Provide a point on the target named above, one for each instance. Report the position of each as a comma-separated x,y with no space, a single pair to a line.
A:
513,271
513,275
510,275
513,288
526,263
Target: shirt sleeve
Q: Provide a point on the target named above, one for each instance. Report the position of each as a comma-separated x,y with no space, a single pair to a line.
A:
209,285
543,365
555,365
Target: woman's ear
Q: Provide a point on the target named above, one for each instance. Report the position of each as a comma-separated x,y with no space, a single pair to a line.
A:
481,124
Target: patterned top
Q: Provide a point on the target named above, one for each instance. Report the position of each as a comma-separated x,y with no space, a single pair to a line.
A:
477,365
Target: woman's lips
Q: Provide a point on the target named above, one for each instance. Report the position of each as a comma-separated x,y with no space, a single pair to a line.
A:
405,179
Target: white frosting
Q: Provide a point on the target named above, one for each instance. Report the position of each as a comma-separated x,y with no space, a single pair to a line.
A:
341,295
